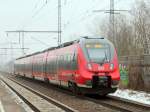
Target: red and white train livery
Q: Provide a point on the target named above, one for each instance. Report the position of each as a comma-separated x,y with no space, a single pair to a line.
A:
88,65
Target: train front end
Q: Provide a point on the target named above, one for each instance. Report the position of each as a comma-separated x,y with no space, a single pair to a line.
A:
98,66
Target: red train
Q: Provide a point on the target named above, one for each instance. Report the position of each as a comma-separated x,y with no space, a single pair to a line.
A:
88,65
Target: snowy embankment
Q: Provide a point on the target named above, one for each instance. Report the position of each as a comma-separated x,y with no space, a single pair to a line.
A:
138,96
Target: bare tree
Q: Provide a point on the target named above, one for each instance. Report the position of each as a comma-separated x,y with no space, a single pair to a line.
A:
141,26
132,37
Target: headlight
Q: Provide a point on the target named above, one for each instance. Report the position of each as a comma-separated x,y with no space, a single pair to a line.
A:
111,66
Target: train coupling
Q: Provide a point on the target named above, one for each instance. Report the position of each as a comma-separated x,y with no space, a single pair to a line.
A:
101,81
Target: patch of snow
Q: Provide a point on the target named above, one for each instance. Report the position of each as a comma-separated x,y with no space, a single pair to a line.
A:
138,96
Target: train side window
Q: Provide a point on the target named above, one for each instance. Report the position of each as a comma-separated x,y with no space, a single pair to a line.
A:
70,61
57,64
40,66
34,65
67,61
63,59
54,65
50,66
47,67
64,63
60,63
74,61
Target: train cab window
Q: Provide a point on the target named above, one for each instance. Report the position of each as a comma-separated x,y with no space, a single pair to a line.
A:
98,51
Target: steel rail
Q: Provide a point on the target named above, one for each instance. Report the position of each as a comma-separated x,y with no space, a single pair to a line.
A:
49,99
120,104
109,101
135,103
34,108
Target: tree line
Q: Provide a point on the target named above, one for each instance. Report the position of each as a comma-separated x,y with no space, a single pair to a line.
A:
131,30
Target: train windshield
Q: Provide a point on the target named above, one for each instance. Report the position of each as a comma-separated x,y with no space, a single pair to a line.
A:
98,53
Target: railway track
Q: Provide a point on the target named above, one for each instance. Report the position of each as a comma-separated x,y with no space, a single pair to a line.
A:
119,104
32,105
109,102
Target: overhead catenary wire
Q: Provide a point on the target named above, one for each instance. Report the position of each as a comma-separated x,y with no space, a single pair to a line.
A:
41,42
36,4
28,19
40,9
84,17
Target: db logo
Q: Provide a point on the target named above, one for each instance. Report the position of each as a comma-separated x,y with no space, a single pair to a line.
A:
100,68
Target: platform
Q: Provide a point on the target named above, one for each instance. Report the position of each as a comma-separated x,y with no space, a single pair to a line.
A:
8,102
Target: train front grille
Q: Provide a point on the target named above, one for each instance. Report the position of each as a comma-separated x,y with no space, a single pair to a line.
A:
101,81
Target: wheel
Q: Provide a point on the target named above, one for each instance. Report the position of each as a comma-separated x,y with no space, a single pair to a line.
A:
74,88
46,80
33,77
103,95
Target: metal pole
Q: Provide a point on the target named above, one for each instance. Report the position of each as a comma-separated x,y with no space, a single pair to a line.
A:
59,22
12,61
23,43
19,37
112,13
112,19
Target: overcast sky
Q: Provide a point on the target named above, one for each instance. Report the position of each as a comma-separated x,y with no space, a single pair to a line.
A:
77,17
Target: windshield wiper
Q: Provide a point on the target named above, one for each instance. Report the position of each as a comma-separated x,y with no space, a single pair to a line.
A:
106,58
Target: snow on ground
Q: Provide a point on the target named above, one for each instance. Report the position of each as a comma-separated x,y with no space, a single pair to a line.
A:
138,96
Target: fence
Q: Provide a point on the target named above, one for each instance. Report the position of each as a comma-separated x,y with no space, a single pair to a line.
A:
138,69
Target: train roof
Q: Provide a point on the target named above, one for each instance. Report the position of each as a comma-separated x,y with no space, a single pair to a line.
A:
63,45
